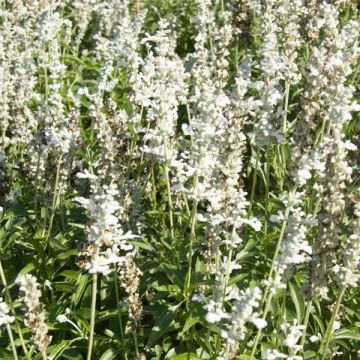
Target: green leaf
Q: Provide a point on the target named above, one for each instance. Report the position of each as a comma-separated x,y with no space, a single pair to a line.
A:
66,254
298,301
56,244
8,224
109,354
43,212
319,322
72,354
189,323
347,333
143,245
162,325
80,288
27,269
186,356
173,274
309,354
54,350
237,278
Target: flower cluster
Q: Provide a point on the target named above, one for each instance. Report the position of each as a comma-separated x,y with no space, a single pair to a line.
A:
293,333
34,314
105,233
295,248
5,318
346,272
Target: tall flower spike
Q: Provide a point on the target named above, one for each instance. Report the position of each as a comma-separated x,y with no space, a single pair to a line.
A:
34,314
347,272
105,234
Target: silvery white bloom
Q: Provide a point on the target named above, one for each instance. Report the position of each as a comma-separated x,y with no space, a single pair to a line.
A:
293,333
315,338
271,354
242,311
34,314
278,55
295,248
346,273
63,318
336,326
160,87
5,318
105,233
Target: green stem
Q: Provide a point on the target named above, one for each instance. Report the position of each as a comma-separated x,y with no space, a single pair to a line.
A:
326,340
268,297
267,187
259,332
56,194
279,242
191,244
192,236
228,264
134,332
168,188
253,187
13,348
153,183
92,316
286,107
306,322
119,310
11,307
36,188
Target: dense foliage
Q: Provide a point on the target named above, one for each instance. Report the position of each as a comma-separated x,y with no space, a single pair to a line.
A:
179,179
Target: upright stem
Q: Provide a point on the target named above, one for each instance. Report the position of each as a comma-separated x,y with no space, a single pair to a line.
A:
13,348
284,127
116,283
153,183
254,179
56,193
10,304
267,299
168,187
228,264
277,249
259,332
36,187
267,186
92,316
134,332
326,340
286,107
306,322
192,234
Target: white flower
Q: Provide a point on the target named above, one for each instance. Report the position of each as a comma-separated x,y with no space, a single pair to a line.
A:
336,326
213,317
5,318
274,355
62,318
314,338
105,231
259,323
277,218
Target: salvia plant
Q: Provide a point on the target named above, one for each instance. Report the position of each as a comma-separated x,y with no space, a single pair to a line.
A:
179,179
